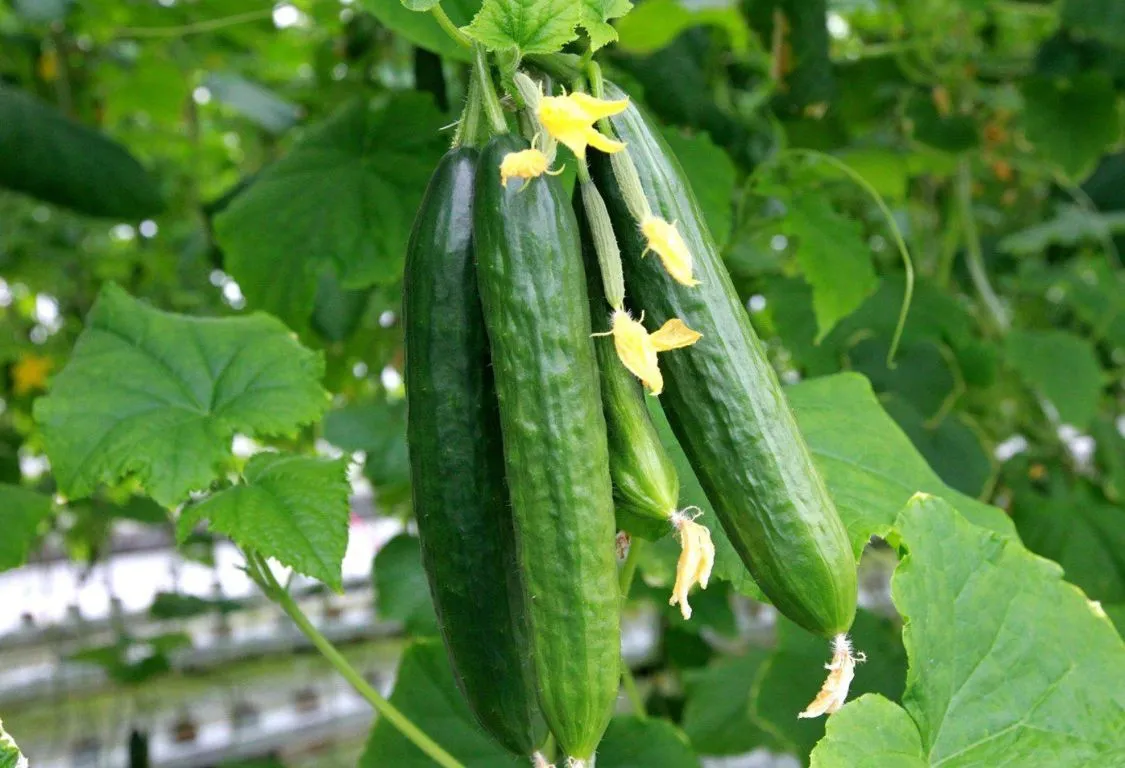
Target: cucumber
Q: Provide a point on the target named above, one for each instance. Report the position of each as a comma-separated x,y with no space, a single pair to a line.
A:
457,466
646,488
726,405
533,289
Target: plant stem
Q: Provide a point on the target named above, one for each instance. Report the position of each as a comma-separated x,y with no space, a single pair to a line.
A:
629,683
468,128
260,571
974,256
207,25
483,75
629,568
450,28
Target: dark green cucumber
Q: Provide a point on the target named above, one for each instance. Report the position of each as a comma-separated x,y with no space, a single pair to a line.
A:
457,465
533,289
726,405
646,487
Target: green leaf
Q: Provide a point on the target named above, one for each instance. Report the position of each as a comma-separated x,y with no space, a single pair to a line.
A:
1009,664
711,173
21,512
529,26
135,661
951,447
870,731
343,200
717,712
1063,367
631,741
1101,19
379,430
158,396
10,755
656,23
1071,121
594,16
174,605
922,376
401,590
255,102
793,674
291,508
422,29
48,156
870,466
426,693
1111,458
1071,226
835,260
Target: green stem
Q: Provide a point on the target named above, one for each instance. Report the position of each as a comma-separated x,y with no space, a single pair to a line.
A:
597,90
561,66
491,102
450,28
629,568
468,127
974,256
629,683
896,233
260,571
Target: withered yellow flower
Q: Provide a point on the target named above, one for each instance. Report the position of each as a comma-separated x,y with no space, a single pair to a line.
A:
570,120
526,164
30,373
667,243
841,672
697,558
637,348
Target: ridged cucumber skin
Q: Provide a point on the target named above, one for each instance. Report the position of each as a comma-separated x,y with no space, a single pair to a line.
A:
457,465
726,405
646,487
533,289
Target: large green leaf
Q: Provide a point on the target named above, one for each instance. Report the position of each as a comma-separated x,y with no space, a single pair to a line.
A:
794,672
1071,226
422,29
379,430
1063,367
711,173
717,713
951,447
631,741
656,23
291,508
401,591
343,200
426,693
1071,121
834,259
159,396
21,511
55,159
527,26
594,17
870,731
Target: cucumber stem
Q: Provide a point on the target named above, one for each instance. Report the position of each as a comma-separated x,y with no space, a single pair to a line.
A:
260,572
491,102
468,127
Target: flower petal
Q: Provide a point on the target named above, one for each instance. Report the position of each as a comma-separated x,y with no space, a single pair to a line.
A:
601,141
596,109
673,335
697,558
525,164
669,245
635,349
841,672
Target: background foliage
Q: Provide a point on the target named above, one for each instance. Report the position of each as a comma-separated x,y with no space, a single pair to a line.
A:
217,159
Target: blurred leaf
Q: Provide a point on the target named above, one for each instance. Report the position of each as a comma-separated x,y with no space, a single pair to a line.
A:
834,259
134,661
656,23
253,101
420,5
401,591
338,312
426,693
884,169
422,29
1071,121
717,714
41,11
806,77
48,156
1111,458
1071,226
21,512
528,26
711,173
1063,367
377,429
950,447
291,508
158,396
870,731
922,375
594,17
794,672
1103,19
342,199
176,605
948,132
631,741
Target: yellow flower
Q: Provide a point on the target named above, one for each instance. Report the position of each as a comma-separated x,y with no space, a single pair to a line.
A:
30,373
526,164
570,119
669,245
841,672
637,348
697,558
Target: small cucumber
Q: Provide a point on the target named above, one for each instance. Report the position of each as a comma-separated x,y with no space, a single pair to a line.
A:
457,465
726,405
533,289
